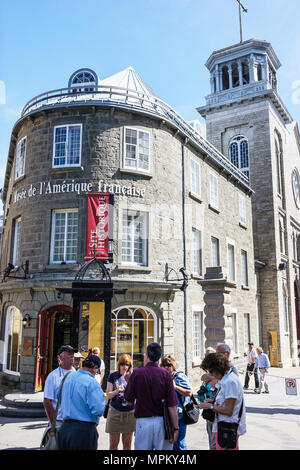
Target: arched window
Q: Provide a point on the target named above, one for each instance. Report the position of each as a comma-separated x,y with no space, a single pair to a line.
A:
133,328
239,154
225,78
83,80
278,156
13,339
235,75
245,72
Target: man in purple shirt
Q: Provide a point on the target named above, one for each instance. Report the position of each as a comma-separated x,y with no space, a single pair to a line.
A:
147,386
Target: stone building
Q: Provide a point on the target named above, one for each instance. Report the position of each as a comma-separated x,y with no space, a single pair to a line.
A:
166,199
248,122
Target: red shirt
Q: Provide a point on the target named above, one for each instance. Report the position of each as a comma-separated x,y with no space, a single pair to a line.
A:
148,385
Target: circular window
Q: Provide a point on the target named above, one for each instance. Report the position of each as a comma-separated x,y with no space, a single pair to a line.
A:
296,186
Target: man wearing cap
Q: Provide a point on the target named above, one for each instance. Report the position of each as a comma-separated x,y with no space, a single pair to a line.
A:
66,360
82,404
252,355
77,360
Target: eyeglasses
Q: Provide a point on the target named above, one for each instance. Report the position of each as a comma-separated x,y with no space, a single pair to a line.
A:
125,364
167,365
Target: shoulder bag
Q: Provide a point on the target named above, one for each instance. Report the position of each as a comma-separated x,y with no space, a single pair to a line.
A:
190,411
49,440
227,432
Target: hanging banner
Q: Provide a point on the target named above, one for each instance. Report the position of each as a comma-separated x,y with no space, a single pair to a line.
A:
97,226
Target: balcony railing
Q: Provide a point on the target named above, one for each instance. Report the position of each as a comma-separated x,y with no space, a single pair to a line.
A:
132,99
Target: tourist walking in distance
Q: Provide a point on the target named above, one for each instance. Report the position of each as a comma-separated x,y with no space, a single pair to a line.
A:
77,360
262,363
184,391
82,404
120,418
65,356
252,355
147,387
229,402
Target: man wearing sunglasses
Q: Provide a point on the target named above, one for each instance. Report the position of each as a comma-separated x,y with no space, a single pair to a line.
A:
148,386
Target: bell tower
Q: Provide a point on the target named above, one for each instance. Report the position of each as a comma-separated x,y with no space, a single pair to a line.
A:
248,122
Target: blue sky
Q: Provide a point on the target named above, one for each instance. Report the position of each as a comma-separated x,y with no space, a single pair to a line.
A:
167,42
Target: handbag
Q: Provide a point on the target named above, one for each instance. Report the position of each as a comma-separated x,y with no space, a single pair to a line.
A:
106,409
49,440
190,411
227,432
169,433
209,415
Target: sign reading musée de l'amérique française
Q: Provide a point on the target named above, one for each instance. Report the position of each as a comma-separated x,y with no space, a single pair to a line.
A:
50,187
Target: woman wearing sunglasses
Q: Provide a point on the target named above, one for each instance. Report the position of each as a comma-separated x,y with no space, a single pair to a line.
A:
184,391
120,418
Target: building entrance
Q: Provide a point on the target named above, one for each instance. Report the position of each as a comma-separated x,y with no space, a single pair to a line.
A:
54,330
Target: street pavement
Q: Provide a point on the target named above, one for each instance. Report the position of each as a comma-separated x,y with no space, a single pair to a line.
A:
273,421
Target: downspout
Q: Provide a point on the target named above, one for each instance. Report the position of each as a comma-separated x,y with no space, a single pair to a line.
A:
185,299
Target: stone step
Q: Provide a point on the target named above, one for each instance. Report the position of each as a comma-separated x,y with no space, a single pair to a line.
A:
26,405
24,400
18,412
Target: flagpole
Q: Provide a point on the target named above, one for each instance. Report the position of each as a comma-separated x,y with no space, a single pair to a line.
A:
240,18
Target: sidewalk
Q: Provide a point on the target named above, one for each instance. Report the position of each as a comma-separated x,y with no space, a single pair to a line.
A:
273,421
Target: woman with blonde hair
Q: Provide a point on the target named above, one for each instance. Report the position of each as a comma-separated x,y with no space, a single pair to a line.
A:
120,418
184,391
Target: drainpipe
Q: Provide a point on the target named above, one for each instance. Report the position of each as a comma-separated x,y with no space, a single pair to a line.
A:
185,299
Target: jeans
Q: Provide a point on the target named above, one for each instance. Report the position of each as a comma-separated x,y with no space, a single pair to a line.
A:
180,444
247,377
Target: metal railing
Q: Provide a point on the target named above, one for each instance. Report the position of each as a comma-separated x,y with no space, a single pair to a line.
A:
113,95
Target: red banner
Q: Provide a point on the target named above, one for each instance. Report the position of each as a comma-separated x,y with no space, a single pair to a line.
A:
97,236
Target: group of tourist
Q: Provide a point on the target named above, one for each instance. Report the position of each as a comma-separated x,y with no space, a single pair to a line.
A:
138,402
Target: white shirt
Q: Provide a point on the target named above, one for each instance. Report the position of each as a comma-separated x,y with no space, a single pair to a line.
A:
252,354
52,385
231,387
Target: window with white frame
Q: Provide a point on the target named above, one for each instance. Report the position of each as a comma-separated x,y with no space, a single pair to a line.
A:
244,265
16,242
136,149
13,339
64,236
197,335
197,252
239,154
67,145
215,252
213,191
20,159
135,238
231,262
246,329
242,209
195,177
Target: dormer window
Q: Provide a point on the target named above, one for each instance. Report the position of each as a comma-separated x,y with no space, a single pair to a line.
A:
83,80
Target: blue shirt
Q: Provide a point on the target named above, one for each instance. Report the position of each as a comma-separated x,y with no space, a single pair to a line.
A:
82,397
182,381
262,361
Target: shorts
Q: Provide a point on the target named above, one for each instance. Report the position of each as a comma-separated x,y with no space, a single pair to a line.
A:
120,422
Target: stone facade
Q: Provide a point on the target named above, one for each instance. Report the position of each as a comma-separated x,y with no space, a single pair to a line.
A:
164,193
263,120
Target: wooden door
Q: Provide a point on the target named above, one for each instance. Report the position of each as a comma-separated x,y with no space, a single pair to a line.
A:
42,350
